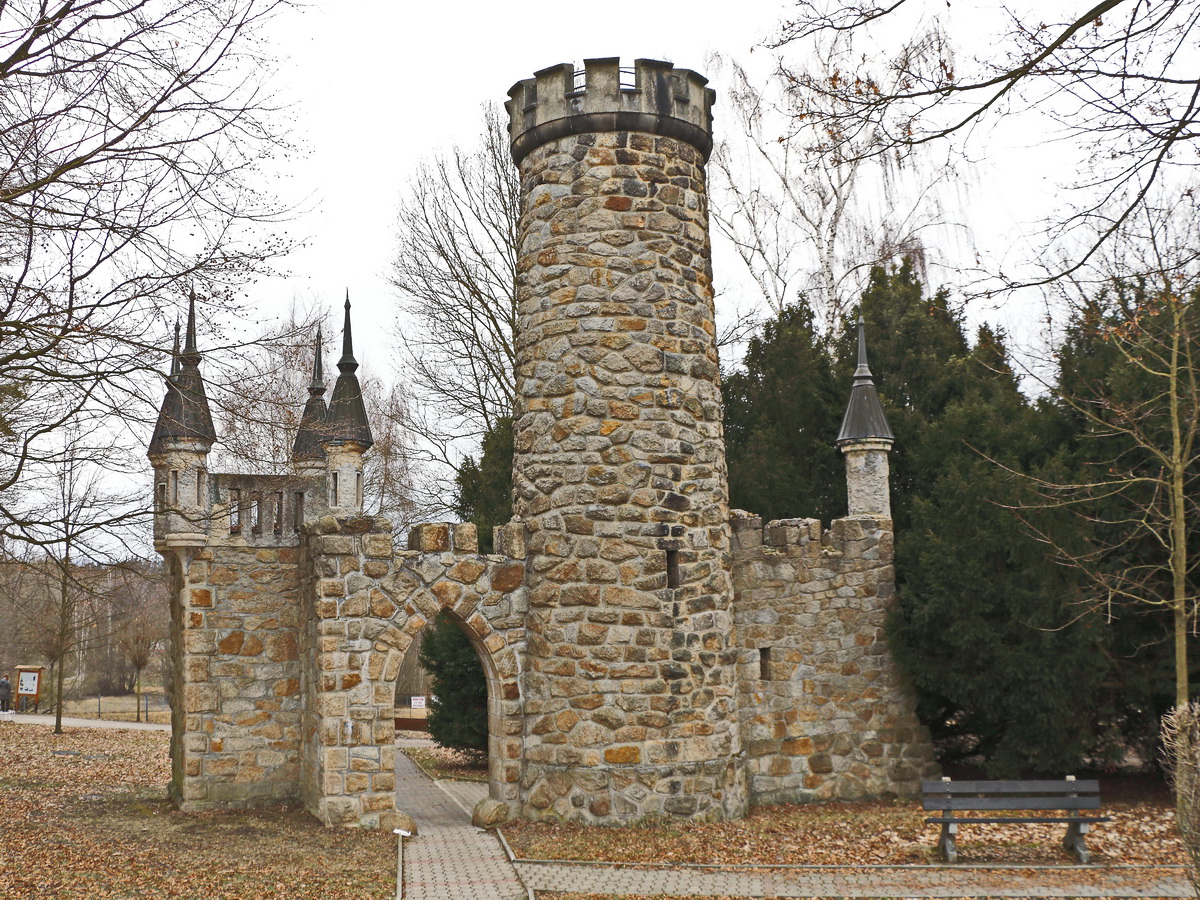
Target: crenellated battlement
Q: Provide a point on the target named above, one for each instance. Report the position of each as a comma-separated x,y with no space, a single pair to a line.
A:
652,97
851,537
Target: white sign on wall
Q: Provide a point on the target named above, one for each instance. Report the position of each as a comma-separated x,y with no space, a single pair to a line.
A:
418,702
28,683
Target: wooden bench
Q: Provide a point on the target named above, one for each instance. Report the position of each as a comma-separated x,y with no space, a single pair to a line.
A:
1069,795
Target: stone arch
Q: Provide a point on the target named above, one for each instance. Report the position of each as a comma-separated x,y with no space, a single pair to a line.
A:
498,658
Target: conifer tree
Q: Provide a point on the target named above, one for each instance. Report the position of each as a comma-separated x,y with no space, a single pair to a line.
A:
985,624
458,711
484,489
781,415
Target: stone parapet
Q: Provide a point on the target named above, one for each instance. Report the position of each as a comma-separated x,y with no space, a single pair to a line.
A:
824,713
651,97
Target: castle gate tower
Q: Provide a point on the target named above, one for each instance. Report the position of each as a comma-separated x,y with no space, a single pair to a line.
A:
619,473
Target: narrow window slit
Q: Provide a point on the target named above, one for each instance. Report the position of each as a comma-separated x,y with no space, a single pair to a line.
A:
764,663
235,511
673,579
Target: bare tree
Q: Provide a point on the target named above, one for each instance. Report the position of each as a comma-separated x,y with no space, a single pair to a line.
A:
138,594
1130,376
259,393
809,210
131,135
455,277
1117,78
66,542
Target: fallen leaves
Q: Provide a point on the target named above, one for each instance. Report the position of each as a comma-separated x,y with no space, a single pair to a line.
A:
865,833
442,762
85,814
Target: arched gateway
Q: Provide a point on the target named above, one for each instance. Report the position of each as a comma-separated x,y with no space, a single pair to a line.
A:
648,651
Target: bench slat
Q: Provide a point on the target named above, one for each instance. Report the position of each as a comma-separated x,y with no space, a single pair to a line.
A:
1011,803
1090,786
1017,820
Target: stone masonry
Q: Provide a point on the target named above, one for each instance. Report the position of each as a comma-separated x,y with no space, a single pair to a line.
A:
648,651
619,473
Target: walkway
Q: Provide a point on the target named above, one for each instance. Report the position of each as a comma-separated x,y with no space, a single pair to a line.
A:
450,859
899,881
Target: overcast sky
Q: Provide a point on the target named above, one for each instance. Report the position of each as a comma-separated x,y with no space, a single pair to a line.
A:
376,86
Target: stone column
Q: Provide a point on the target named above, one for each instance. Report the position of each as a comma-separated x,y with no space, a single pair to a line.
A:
619,472
867,478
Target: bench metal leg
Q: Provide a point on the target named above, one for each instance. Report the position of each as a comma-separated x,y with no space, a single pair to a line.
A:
1075,841
946,842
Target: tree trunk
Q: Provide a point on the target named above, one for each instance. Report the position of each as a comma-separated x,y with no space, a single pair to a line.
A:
64,625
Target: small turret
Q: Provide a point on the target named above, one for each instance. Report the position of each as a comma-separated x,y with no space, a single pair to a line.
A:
308,455
866,438
347,434
183,436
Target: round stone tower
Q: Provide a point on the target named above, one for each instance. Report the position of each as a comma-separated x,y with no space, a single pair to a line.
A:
619,473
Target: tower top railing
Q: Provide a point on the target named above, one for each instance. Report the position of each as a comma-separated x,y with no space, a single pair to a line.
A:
652,97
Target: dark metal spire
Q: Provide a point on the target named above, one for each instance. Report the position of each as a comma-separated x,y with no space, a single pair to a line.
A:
347,341
184,414
175,351
313,421
864,419
189,347
318,379
347,419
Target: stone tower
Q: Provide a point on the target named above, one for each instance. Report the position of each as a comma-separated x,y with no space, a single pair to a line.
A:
865,439
178,451
619,471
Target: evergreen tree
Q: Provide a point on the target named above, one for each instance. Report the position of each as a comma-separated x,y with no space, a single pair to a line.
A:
458,711
985,624
484,489
781,417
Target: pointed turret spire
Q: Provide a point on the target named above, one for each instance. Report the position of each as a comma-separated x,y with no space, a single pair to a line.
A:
347,341
864,419
347,419
307,445
189,347
175,351
318,378
184,414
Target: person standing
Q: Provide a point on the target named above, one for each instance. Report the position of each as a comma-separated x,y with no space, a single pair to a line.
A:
5,694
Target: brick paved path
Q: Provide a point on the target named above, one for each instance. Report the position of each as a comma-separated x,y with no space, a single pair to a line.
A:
901,881
449,859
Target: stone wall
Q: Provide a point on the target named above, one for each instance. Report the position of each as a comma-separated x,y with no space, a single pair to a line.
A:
236,717
363,605
824,713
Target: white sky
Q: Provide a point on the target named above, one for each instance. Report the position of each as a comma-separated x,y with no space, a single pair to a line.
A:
377,86
378,90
